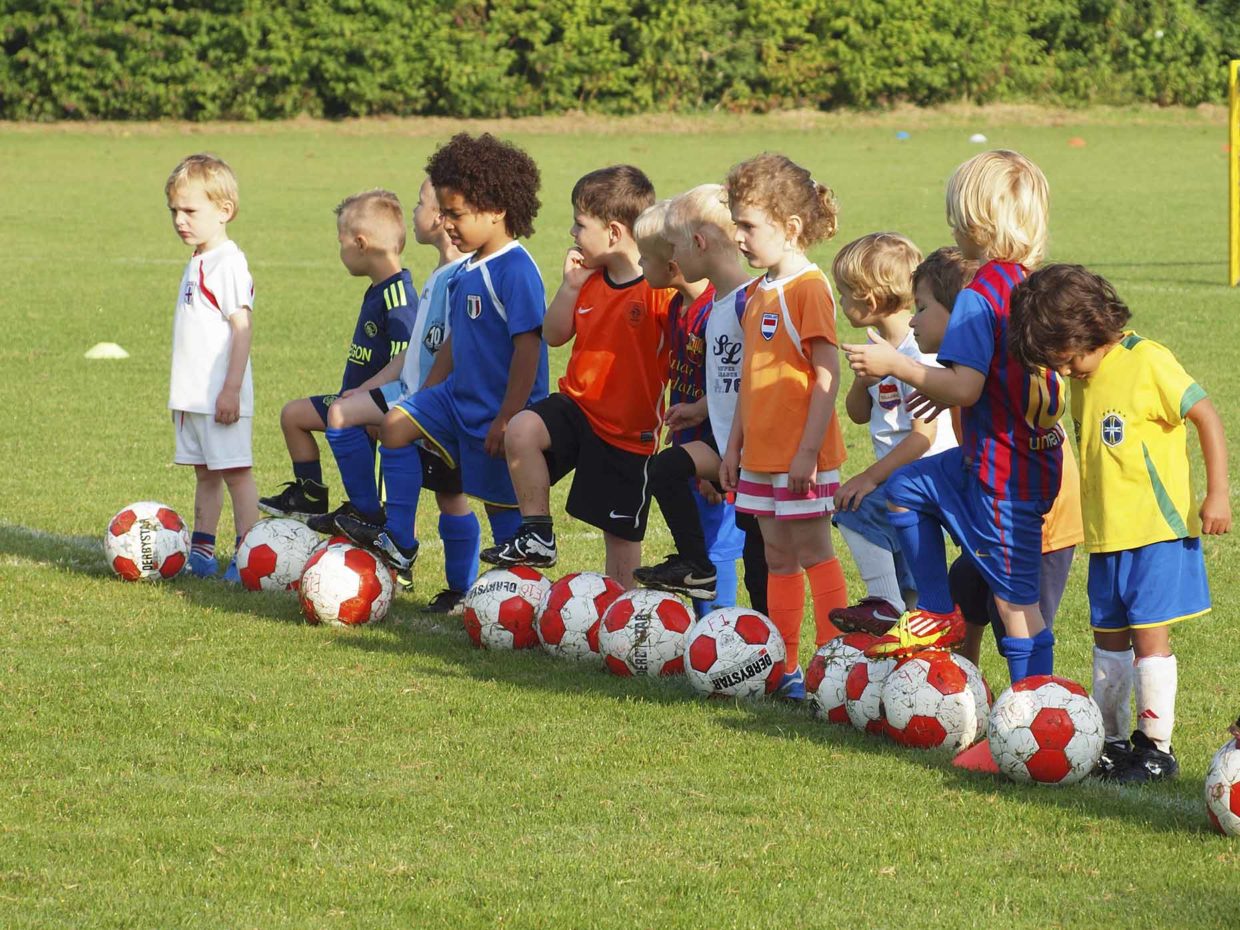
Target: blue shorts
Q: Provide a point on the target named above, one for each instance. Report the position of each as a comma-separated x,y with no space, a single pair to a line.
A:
724,542
1155,585
870,522
1003,537
434,412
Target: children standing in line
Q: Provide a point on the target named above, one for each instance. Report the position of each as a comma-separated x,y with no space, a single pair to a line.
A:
1130,402
785,449
211,395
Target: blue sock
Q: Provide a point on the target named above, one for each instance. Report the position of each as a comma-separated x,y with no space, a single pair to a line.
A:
308,471
402,469
462,537
725,588
504,524
1042,659
921,541
356,458
203,544
1017,650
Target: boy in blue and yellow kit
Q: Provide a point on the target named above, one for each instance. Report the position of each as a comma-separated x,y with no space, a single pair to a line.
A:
1130,403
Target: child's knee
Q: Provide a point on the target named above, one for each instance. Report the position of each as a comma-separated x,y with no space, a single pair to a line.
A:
236,477
395,432
337,417
527,431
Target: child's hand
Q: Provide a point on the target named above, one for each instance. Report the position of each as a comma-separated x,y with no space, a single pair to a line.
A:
683,416
708,492
575,271
493,445
923,407
228,406
803,472
875,359
730,470
853,491
1215,514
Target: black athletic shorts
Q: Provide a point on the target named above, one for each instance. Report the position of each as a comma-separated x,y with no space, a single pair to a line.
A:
437,476
322,401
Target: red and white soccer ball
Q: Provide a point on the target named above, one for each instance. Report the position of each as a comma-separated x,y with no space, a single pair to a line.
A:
274,553
930,703
734,652
828,671
345,585
146,540
643,633
1223,789
570,612
500,608
1046,729
863,694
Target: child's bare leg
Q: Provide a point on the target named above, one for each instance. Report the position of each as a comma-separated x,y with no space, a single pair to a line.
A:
525,439
971,648
623,556
1021,620
811,540
244,494
452,505
208,499
357,409
298,420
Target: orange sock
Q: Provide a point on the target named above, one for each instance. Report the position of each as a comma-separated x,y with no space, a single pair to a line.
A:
785,601
827,588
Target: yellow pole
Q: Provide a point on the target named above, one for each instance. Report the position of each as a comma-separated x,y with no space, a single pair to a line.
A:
1233,188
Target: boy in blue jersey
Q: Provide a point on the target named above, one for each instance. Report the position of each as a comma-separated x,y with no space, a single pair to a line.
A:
1130,404
992,492
371,230
494,361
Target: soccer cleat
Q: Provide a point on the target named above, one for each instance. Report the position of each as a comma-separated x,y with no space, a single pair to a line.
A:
374,536
405,579
680,575
232,574
792,686
528,547
872,615
1147,763
1116,757
202,566
917,630
296,501
446,602
326,524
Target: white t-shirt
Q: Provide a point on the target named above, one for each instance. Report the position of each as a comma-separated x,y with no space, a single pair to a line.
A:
725,351
215,285
890,420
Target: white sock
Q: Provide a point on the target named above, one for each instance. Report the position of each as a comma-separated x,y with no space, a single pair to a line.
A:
1156,684
1112,688
877,567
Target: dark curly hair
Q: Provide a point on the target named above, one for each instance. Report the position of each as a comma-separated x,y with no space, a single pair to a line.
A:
491,175
947,271
1060,311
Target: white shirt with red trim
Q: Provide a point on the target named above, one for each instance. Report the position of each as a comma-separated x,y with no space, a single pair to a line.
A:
216,284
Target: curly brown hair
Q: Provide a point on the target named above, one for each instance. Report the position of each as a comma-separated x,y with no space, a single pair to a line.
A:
491,175
947,271
1060,311
781,187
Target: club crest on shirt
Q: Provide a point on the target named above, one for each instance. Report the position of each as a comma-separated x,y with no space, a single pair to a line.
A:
473,306
372,328
189,292
1112,428
635,313
888,395
695,348
770,323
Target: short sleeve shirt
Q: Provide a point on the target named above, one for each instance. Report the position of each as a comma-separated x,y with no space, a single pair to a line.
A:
383,327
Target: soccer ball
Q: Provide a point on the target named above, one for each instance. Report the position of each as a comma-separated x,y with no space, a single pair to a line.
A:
146,540
828,670
273,554
1046,729
500,608
569,614
929,704
643,633
345,585
1223,789
734,652
980,690
863,694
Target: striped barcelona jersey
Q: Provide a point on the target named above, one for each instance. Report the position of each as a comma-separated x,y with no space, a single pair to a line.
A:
1012,436
383,328
687,365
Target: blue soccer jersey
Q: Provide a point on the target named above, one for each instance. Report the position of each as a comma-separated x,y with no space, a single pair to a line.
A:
383,328
688,358
1012,437
490,301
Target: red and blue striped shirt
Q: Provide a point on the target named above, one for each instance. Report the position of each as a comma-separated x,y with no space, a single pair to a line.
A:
688,359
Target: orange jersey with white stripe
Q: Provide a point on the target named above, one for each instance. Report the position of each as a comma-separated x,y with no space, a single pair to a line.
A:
618,366
781,317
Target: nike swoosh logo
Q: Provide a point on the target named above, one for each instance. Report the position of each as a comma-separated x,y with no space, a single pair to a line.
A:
584,310
622,516
980,554
692,580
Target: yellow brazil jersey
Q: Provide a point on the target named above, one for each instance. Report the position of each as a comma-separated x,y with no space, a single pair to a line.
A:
1130,427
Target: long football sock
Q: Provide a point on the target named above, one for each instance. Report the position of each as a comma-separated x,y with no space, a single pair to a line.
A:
356,458
308,471
755,565
505,524
203,544
921,540
786,600
1156,681
1017,649
829,591
1112,688
462,537
877,567
670,473
1042,659
725,588
402,470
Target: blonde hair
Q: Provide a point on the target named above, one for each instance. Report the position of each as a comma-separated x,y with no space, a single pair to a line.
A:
703,209
376,213
778,185
210,173
880,267
1000,202
650,231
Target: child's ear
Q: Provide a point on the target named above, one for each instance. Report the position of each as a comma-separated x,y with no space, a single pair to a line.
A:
229,208
361,242
615,232
699,241
792,229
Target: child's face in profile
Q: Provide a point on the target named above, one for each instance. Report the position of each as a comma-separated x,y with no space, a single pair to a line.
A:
760,239
468,228
1080,365
688,256
199,221
930,318
352,248
858,312
427,221
591,236
657,268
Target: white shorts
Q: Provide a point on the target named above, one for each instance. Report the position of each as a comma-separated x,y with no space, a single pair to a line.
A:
202,441
767,495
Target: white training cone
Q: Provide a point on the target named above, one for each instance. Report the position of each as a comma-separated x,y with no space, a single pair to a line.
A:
106,350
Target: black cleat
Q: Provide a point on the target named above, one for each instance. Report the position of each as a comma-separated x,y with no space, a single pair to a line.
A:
446,601
680,575
1147,763
325,523
528,547
1116,757
374,536
299,500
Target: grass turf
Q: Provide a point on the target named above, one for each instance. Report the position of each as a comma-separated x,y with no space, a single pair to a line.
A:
185,754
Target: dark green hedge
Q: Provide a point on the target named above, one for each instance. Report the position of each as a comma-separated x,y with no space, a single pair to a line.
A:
246,59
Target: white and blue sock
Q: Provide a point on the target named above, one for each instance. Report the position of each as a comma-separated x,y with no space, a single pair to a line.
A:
726,583
202,545
355,457
462,538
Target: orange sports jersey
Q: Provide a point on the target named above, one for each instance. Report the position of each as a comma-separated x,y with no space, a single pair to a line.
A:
618,365
1062,526
781,317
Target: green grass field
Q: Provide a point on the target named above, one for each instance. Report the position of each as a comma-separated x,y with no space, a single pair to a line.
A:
188,755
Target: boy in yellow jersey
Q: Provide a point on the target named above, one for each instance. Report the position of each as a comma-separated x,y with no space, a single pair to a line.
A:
1130,402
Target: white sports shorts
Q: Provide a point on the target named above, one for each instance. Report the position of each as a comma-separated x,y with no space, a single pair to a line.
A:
766,495
202,441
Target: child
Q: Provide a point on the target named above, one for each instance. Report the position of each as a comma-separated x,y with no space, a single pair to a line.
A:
1142,528
371,230
785,448
604,421
874,279
992,491
494,361
364,407
212,395
696,233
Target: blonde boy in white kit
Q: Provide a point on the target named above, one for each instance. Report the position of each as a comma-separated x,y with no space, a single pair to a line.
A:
212,394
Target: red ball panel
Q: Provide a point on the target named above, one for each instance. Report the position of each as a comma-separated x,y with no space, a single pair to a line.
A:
170,518
676,618
1218,827
855,683
307,611
172,565
551,625
122,523
517,617
473,627
560,595
618,616
1052,728
815,673
1234,803
524,571
261,563
592,636
861,641
1033,682
608,597
752,629
774,675
672,667
126,568
703,652
839,715
921,733
1048,766
946,677
616,667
